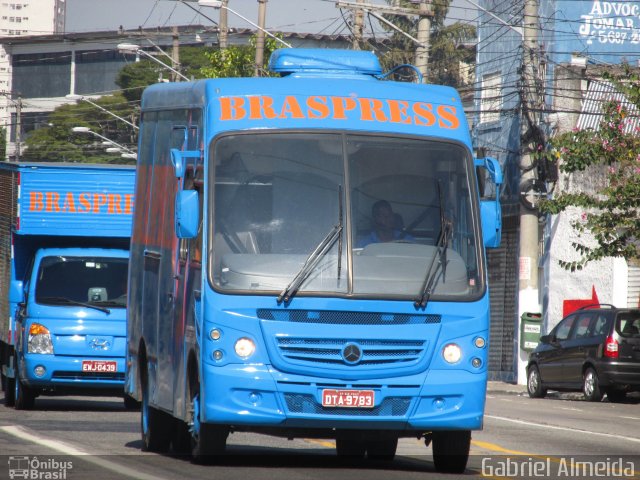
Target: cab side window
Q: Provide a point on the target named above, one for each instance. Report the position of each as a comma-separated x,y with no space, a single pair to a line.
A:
600,325
561,332
581,329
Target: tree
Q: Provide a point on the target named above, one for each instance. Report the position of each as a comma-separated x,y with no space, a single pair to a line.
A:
611,213
445,44
58,143
135,77
237,60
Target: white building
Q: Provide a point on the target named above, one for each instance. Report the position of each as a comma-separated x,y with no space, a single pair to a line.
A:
32,17
21,18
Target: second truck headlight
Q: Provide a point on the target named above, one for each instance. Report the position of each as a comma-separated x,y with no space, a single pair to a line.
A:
39,340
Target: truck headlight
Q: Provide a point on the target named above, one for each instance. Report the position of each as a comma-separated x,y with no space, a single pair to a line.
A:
245,347
452,353
39,339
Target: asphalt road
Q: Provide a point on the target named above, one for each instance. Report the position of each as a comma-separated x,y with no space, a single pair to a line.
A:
96,438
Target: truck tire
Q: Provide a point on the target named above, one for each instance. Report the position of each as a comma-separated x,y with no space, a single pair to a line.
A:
349,447
24,398
382,449
451,450
154,425
9,392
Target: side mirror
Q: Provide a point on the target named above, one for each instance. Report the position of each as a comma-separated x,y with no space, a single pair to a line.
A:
490,209
187,214
16,291
545,339
179,160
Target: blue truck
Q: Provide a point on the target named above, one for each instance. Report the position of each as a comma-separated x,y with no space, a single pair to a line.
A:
64,249
268,294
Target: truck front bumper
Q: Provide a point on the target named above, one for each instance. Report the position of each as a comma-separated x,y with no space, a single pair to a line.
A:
261,396
65,372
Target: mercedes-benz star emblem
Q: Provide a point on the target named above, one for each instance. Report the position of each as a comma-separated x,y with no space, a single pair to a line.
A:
351,353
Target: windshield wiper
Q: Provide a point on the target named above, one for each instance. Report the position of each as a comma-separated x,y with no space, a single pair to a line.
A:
440,253
315,256
68,301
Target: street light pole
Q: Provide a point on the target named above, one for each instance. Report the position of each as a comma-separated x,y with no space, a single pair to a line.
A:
115,144
132,48
73,96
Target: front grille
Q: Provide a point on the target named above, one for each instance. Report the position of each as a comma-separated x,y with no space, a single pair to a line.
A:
345,318
390,407
106,376
329,350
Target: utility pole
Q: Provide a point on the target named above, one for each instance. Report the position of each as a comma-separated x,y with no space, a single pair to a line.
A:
262,14
424,24
175,53
224,24
358,26
18,128
424,29
528,298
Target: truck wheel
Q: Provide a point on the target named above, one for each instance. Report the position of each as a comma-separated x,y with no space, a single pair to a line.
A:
9,392
534,383
131,403
451,450
351,446
24,396
382,449
154,425
207,441
591,386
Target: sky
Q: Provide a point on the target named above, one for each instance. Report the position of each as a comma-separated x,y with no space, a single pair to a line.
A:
302,16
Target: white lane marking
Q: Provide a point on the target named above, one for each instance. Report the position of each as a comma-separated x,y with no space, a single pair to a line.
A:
68,449
570,409
631,418
566,429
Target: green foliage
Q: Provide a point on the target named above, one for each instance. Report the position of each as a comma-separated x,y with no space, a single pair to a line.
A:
136,76
444,54
58,143
238,60
610,214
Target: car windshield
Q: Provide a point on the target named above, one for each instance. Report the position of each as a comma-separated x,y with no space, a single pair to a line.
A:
390,206
94,281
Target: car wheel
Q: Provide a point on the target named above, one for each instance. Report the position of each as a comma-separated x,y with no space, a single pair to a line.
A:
534,383
591,386
616,396
451,450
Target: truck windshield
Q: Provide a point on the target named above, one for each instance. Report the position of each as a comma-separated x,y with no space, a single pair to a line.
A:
95,281
276,195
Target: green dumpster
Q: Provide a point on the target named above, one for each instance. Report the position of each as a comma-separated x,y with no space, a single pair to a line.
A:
530,329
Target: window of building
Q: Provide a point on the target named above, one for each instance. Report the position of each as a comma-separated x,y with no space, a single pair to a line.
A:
491,98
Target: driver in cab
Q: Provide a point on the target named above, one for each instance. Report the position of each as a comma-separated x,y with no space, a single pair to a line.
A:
387,226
